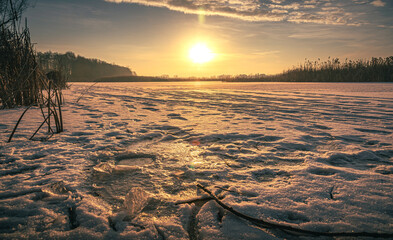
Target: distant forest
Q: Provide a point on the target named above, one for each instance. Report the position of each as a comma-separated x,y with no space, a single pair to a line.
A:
332,70
77,69
80,69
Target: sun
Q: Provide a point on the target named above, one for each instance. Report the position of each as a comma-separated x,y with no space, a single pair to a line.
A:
200,53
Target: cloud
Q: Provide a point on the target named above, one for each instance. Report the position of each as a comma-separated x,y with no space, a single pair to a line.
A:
378,3
300,11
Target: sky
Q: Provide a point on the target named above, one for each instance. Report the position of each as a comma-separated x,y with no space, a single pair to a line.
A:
154,37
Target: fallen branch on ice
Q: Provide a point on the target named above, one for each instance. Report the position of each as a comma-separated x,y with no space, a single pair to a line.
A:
194,200
289,229
227,190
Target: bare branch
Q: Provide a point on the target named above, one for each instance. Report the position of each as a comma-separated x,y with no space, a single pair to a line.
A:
290,229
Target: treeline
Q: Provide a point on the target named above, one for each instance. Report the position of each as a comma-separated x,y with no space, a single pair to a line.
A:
332,70
80,69
152,79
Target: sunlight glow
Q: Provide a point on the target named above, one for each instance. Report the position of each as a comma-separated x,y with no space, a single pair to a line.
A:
200,53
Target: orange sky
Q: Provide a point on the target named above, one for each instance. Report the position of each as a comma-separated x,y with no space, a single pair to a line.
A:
247,37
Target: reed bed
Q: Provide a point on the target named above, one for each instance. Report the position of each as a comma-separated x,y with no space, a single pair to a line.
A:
331,70
21,80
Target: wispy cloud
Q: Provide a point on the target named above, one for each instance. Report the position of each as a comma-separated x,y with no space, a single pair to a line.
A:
378,3
335,12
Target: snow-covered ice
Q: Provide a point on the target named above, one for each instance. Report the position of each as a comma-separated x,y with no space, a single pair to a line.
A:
314,156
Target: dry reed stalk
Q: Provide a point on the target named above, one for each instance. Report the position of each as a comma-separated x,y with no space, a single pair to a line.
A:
22,82
53,109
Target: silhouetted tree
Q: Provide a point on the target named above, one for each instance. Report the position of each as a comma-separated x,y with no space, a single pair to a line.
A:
78,68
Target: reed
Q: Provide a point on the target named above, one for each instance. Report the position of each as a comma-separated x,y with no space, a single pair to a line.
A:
331,70
51,103
21,80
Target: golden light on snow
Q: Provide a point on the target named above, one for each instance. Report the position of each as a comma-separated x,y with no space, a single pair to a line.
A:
200,53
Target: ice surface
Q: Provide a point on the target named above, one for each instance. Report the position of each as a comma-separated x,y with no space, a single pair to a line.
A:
136,199
314,156
104,167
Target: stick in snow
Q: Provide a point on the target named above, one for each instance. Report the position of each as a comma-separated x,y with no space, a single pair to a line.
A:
287,228
194,200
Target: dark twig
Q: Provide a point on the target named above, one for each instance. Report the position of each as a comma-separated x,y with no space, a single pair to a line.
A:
17,124
84,92
331,192
58,100
45,117
194,200
51,112
227,190
287,228
49,98
40,128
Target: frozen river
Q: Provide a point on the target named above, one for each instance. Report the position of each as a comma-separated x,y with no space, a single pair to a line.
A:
315,156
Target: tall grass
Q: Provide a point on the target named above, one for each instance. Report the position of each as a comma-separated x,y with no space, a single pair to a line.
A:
332,70
21,81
